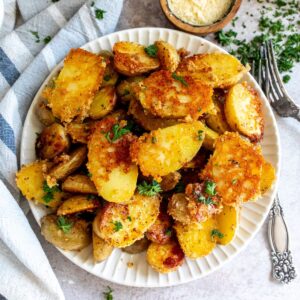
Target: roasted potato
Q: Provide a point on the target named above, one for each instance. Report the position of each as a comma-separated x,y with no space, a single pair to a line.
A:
169,181
66,233
218,70
166,150
236,168
52,141
80,184
243,111
131,59
195,239
77,204
227,220
168,95
109,162
178,208
125,89
31,182
70,164
110,76
167,55
137,247
165,258
79,132
210,138
103,103
45,114
101,250
267,178
121,225
76,85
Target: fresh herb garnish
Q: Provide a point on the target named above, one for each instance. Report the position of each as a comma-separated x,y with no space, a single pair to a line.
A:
36,35
108,295
118,226
226,38
210,188
234,181
286,78
151,50
129,218
116,132
49,192
153,140
200,135
64,224
99,13
168,232
206,200
89,174
107,77
91,197
180,79
216,233
149,189
47,39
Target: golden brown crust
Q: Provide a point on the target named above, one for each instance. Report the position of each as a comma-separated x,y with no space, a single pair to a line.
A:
137,247
169,181
168,56
101,250
80,184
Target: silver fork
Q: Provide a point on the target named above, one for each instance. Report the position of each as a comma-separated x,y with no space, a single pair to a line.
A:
268,78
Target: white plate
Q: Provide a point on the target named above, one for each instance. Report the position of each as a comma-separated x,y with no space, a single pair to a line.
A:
115,268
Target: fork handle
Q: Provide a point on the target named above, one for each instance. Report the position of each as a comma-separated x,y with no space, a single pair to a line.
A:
283,269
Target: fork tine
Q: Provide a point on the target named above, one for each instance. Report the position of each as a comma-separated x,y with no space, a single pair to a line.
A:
266,86
253,68
259,72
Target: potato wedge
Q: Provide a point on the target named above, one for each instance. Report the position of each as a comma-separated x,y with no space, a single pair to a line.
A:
101,250
167,55
77,204
31,182
165,258
103,103
218,70
125,89
166,150
137,247
79,132
236,168
243,111
121,225
195,239
227,220
178,208
45,114
210,138
169,181
267,178
109,162
131,59
73,234
52,141
79,184
168,95
82,75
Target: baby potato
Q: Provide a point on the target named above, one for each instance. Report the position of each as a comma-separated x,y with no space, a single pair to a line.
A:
178,208
77,204
210,139
218,70
103,103
130,59
52,141
167,150
120,225
79,184
243,111
165,258
66,233
137,247
101,250
169,181
45,114
267,178
125,89
79,132
195,239
168,56
110,76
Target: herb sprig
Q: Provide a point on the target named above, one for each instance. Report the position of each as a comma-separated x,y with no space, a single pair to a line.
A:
108,295
116,132
118,226
180,79
216,233
151,50
49,192
64,224
149,189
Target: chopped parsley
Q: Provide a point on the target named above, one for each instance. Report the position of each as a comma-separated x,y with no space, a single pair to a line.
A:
36,35
107,77
200,135
180,79
216,233
205,200
168,232
286,78
91,197
154,140
64,224
118,226
234,181
89,174
108,295
210,188
149,189
49,192
226,38
99,13
129,218
151,50
47,39
116,132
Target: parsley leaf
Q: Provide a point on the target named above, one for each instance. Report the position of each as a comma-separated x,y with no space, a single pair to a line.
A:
151,50
118,226
49,192
180,79
36,35
286,78
200,135
216,233
206,201
99,13
47,39
129,218
107,77
168,232
116,133
64,224
108,295
210,188
226,38
149,189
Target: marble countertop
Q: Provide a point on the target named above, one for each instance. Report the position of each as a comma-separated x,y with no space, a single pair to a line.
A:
248,275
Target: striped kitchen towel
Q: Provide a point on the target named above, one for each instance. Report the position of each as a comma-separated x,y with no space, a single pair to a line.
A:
27,55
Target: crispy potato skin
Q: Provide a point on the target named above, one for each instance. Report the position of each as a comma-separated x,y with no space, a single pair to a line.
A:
166,150
125,89
82,75
101,250
268,177
165,258
131,59
218,70
137,247
113,172
135,218
236,167
164,96
79,132
195,239
168,56
110,76
45,114
210,138
52,141
243,111
76,239
169,181
79,184
77,204
30,180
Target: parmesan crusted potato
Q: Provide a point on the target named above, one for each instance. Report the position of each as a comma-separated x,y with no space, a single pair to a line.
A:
121,225
82,75
165,258
196,239
267,178
168,95
169,181
137,247
166,150
45,114
80,184
101,250
79,132
109,162
125,89
168,56
218,70
236,168
110,76
131,59
243,111
178,208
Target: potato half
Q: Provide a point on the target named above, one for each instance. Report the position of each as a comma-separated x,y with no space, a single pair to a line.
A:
79,184
168,56
268,177
101,250
137,247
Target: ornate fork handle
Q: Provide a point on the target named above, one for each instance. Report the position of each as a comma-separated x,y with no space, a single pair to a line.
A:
283,269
